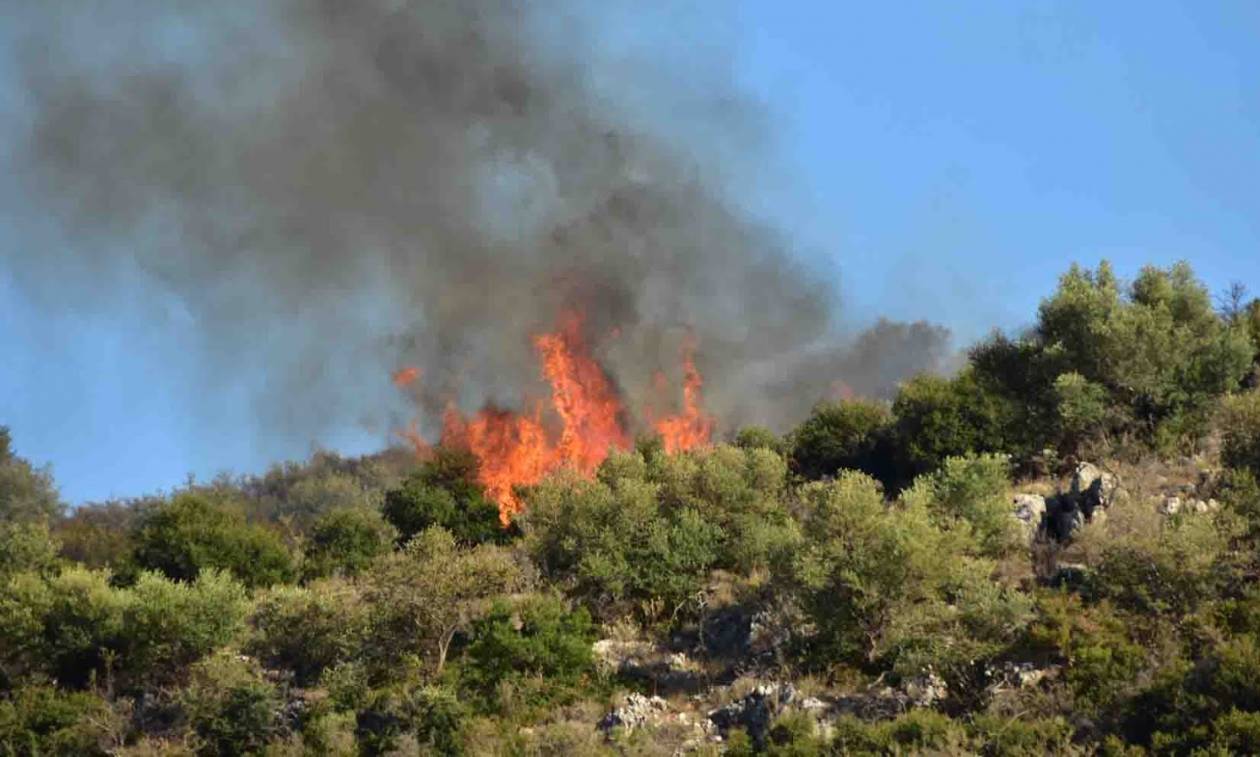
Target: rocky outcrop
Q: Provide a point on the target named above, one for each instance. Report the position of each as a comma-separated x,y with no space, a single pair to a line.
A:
1029,510
1090,492
637,711
756,710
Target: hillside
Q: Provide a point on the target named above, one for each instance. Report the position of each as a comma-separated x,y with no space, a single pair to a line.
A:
1052,551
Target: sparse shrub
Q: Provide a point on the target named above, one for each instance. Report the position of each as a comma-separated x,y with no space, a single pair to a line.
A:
345,541
191,533
973,492
886,587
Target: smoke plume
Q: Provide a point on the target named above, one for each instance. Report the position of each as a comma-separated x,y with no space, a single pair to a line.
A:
331,190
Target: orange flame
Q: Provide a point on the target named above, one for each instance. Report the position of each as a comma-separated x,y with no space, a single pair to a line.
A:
405,376
692,427
583,397
515,450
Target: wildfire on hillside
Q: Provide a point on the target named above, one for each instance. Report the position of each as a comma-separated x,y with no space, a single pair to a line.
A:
515,449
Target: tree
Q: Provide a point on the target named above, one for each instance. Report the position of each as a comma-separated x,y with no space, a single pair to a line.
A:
190,533
445,493
1240,427
849,435
420,597
346,541
938,418
26,493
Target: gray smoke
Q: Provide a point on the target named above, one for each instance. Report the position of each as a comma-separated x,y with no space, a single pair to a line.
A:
328,190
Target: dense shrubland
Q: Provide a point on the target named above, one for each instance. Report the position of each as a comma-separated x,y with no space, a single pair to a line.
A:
859,585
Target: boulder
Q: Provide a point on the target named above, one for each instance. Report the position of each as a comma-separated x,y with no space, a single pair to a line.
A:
1029,509
755,711
925,690
1093,487
637,711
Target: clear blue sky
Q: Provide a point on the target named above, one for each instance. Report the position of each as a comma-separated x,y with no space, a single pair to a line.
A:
948,159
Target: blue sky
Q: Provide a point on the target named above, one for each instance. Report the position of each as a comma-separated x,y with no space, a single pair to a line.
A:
945,160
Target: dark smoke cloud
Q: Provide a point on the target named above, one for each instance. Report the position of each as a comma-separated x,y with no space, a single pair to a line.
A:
327,190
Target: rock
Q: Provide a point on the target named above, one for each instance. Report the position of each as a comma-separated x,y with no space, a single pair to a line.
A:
1063,516
637,712
925,690
1029,509
1170,506
755,711
1093,487
615,656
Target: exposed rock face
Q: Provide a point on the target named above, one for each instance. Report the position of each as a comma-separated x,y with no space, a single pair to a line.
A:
756,710
1093,487
1029,510
925,690
1091,491
637,712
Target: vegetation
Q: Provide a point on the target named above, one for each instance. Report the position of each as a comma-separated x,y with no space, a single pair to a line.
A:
870,558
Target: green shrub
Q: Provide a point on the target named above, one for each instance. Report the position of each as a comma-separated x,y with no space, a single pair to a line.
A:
170,625
419,598
41,720
190,533
231,708
849,435
345,541
973,492
67,626
939,418
760,437
444,493
1240,428
886,587
26,493
539,638
739,493
27,547
610,543
306,630
1015,736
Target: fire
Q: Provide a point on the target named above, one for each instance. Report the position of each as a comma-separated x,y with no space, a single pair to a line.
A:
405,376
511,450
516,449
583,397
692,427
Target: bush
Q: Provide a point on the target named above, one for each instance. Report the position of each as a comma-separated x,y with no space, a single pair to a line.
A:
26,547
849,435
887,588
190,533
760,437
231,708
1240,428
939,418
306,630
26,493
611,544
344,542
419,598
541,639
738,492
67,626
40,720
974,493
444,493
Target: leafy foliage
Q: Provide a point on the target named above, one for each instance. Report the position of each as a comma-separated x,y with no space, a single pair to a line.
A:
190,533
444,493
